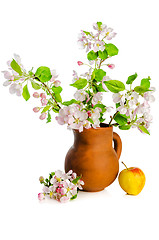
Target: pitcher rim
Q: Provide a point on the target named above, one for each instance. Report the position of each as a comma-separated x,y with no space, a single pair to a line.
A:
102,126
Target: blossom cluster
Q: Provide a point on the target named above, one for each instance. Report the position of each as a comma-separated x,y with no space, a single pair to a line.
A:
89,40
13,79
135,108
61,186
131,104
77,118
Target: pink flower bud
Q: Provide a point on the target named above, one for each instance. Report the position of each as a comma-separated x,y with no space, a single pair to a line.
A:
41,179
57,83
89,113
36,95
79,63
44,101
42,116
58,190
36,109
41,196
42,95
60,185
111,66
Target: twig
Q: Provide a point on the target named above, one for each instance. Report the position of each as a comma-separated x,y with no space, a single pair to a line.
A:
113,118
48,91
101,61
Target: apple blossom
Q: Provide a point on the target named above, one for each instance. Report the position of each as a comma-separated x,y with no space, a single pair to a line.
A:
61,186
36,95
75,76
108,33
79,63
105,78
98,46
95,117
46,189
41,179
97,98
118,97
80,95
132,104
36,109
41,196
7,83
15,88
42,116
57,83
149,97
100,28
111,66
64,199
44,101
54,76
8,75
84,42
42,95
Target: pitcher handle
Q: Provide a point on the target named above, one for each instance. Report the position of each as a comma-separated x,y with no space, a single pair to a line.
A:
117,144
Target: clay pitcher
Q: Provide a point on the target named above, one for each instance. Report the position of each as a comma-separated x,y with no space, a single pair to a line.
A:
93,156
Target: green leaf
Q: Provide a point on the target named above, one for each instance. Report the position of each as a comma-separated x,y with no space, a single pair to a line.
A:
36,86
103,55
90,120
52,174
56,110
99,74
26,94
74,197
145,82
80,83
48,117
115,86
87,33
57,89
75,181
67,103
15,66
43,73
143,129
31,72
102,106
92,55
141,89
131,78
117,105
111,49
125,127
100,88
58,97
101,119
120,119
45,109
99,24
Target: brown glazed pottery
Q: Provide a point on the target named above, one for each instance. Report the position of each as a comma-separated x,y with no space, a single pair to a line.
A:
93,156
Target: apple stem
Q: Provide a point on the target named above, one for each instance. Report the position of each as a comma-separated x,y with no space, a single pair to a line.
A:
124,165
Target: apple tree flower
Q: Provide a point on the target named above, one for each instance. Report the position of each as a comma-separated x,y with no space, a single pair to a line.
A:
97,98
84,42
41,196
131,103
61,186
80,95
98,45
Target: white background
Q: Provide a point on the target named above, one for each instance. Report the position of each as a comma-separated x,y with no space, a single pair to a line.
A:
45,33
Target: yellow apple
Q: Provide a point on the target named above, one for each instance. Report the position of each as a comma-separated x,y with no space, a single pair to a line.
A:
132,180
